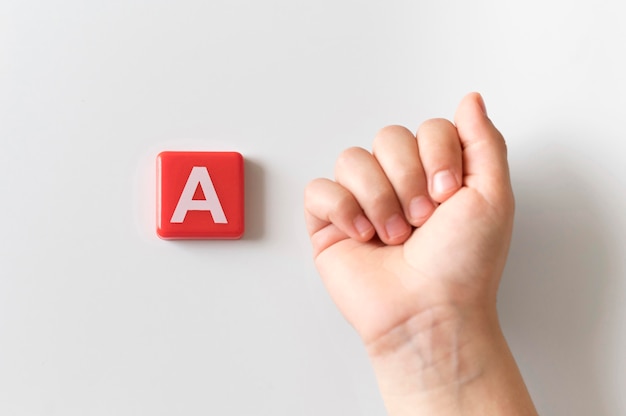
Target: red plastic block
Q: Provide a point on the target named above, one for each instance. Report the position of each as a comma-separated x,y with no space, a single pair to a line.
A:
200,195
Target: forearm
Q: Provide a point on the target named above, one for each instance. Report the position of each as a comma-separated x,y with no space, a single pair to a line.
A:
443,362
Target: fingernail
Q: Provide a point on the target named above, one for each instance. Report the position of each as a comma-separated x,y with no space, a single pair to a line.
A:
396,227
420,207
362,225
444,182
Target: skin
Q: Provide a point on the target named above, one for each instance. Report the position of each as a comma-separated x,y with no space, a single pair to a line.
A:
411,240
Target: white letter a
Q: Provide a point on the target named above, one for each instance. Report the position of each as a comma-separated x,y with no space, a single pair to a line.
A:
199,176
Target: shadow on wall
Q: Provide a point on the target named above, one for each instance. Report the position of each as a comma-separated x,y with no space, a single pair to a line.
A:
556,282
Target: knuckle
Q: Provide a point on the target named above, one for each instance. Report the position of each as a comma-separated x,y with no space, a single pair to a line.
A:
435,125
409,181
310,189
389,134
379,200
343,203
350,156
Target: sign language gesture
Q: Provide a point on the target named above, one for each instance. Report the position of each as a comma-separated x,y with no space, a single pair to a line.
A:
411,240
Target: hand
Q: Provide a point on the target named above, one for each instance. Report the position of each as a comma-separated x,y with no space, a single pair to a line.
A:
411,241
419,223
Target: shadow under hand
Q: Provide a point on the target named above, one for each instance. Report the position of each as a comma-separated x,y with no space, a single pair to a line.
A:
555,284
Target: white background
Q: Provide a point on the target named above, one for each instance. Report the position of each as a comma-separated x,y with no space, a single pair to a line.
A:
100,317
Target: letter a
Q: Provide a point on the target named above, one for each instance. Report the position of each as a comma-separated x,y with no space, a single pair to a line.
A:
199,176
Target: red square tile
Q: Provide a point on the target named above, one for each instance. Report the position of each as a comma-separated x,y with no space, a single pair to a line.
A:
200,195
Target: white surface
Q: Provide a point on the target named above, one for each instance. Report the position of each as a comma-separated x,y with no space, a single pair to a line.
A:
99,317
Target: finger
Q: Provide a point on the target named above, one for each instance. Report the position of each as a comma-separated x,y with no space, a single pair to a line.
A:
485,163
359,172
442,157
326,202
396,150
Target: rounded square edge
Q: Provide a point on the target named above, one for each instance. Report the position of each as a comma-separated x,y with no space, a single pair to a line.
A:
163,234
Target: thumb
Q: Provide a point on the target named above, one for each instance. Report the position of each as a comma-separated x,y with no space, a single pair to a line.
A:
485,166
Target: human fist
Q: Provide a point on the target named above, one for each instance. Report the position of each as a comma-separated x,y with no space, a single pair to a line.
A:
423,221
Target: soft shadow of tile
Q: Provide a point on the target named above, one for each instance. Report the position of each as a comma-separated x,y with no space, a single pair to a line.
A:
255,208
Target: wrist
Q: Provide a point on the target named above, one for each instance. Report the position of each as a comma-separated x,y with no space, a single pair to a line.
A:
448,360
432,350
